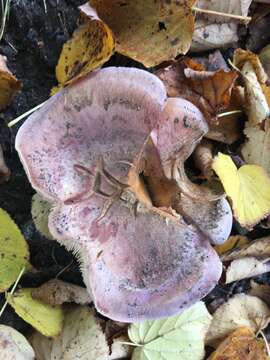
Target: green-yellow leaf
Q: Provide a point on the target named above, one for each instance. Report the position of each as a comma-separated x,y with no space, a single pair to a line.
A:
177,337
14,252
48,320
247,187
40,213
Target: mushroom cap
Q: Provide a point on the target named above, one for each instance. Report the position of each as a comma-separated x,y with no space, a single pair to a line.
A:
138,267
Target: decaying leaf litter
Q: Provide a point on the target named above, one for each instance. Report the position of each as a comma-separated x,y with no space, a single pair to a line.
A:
212,112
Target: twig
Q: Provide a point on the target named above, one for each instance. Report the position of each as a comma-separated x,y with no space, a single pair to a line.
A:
227,113
15,121
12,290
212,12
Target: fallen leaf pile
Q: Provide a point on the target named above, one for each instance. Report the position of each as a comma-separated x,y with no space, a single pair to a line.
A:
157,178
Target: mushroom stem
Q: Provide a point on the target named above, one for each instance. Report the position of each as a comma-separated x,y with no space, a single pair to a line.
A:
212,12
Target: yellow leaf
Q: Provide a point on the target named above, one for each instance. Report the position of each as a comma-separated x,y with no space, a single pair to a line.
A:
9,85
149,31
232,243
242,344
48,320
14,253
91,45
247,187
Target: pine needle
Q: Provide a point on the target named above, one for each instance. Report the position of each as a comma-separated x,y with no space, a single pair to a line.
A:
19,118
45,6
5,7
13,289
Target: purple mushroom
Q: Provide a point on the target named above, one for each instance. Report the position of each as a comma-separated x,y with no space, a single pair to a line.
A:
109,152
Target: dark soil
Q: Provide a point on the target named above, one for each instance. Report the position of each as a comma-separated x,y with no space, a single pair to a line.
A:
32,44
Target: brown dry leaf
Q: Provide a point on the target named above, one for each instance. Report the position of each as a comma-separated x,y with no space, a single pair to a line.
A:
214,86
259,248
228,129
208,35
261,291
57,292
4,170
240,310
235,241
149,31
254,77
9,85
176,84
209,90
245,268
242,344
91,45
256,149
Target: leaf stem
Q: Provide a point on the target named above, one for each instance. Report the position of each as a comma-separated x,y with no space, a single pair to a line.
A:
212,12
13,289
19,118
130,343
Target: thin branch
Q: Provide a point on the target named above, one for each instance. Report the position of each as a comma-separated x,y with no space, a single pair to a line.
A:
231,16
19,118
